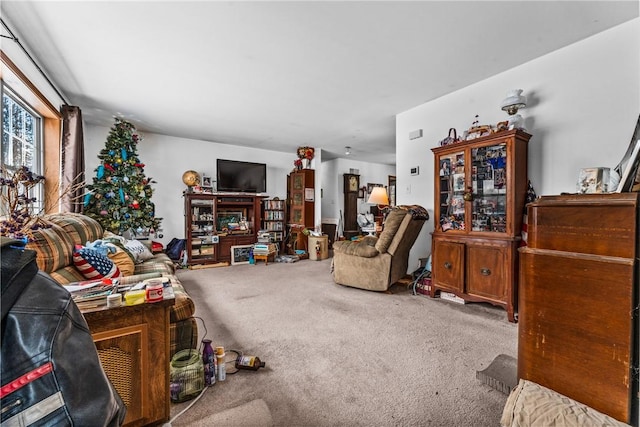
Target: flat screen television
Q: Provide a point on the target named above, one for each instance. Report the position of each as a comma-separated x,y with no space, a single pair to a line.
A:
241,177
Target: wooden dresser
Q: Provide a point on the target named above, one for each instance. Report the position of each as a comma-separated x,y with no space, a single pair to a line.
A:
578,300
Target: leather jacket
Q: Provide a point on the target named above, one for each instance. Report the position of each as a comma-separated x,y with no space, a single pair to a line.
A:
49,365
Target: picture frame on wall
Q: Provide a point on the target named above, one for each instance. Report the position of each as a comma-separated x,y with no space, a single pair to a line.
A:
309,195
370,187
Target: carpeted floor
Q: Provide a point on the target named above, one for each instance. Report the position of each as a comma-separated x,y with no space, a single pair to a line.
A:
340,356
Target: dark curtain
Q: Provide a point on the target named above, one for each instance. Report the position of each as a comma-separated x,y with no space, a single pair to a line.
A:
72,168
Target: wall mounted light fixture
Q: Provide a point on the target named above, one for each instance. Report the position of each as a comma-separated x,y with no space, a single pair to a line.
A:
511,104
347,150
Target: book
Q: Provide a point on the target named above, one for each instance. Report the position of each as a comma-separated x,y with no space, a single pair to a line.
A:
94,296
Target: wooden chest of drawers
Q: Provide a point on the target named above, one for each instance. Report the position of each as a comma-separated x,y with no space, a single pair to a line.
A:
578,299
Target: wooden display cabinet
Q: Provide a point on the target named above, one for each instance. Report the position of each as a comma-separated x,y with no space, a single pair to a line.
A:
301,197
133,347
200,228
480,192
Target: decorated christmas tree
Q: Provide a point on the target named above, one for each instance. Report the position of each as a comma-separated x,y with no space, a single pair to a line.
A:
120,196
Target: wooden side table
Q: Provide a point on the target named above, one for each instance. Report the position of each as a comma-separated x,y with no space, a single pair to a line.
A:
265,257
133,347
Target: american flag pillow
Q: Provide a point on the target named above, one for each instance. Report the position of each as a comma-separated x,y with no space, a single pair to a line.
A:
94,265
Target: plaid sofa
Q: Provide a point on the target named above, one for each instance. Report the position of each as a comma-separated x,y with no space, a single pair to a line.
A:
54,254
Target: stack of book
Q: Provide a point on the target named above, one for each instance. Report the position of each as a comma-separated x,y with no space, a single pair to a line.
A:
264,248
92,293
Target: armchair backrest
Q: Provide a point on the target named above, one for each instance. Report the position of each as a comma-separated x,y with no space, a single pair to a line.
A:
400,233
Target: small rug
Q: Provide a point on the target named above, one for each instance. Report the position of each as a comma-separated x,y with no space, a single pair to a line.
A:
255,413
501,374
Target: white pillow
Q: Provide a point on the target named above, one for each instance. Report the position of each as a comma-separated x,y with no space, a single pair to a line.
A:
138,250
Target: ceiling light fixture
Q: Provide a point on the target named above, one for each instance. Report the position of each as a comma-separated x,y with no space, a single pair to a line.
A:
347,150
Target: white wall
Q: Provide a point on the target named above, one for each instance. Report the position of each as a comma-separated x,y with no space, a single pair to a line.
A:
166,158
333,185
583,103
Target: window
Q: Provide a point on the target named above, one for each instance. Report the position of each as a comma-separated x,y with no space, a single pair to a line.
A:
32,125
21,130
21,140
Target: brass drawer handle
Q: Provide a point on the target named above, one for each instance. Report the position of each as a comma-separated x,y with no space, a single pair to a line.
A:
447,265
485,272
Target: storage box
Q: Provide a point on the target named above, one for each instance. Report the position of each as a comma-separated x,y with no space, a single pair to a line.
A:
423,286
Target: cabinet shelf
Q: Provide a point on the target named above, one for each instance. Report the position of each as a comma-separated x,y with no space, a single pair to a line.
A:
273,220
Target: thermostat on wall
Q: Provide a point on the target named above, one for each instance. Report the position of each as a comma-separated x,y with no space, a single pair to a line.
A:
415,171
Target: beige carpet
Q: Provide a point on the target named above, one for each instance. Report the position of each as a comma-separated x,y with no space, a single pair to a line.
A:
339,356
254,413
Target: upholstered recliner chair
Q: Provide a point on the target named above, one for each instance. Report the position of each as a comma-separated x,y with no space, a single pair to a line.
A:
375,263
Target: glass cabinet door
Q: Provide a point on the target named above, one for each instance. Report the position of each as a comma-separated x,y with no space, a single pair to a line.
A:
489,186
451,191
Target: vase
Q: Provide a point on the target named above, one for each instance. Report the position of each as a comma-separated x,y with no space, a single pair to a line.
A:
307,163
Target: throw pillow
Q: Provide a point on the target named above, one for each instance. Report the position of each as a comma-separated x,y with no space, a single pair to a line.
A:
139,250
391,225
124,261
119,241
94,265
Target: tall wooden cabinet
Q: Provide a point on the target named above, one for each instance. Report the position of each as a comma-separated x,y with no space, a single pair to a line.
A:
480,191
302,198
578,308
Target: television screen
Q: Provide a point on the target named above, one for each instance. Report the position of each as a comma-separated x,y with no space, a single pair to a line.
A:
241,177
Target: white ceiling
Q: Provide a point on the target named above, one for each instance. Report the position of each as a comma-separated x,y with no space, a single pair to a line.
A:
277,75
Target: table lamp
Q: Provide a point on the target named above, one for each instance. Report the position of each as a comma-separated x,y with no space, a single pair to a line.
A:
379,197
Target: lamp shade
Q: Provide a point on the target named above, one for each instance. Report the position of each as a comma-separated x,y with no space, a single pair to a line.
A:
513,102
378,197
